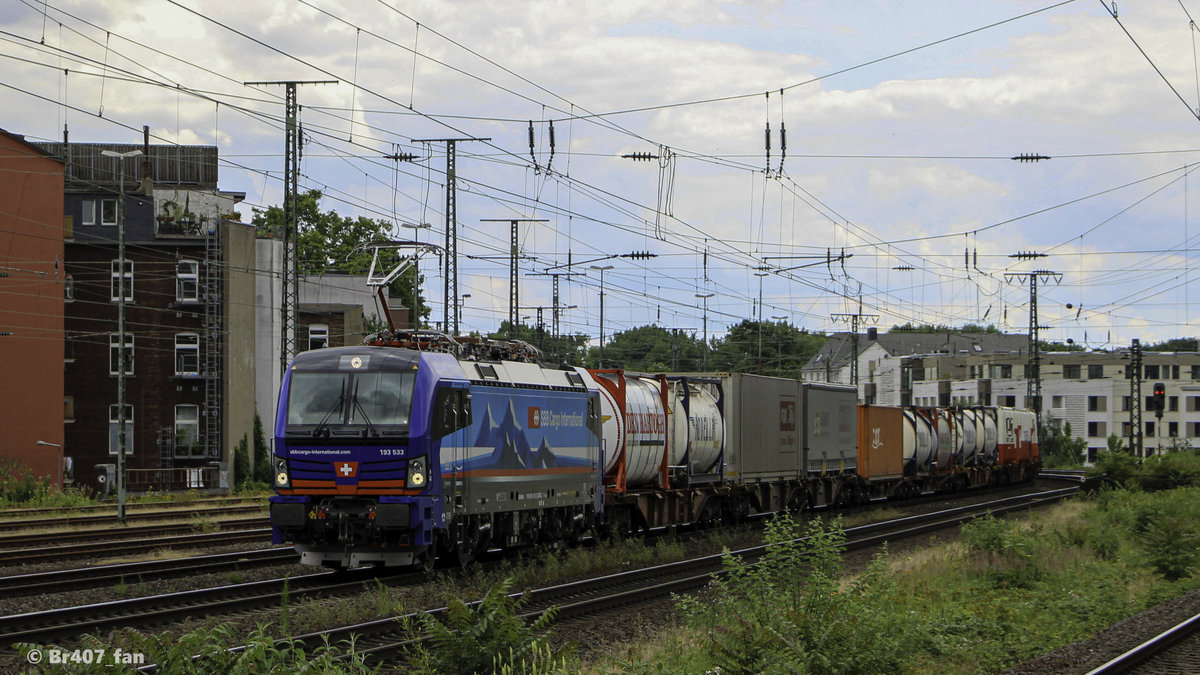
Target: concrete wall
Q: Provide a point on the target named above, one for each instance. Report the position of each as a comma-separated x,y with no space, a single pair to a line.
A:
268,261
238,379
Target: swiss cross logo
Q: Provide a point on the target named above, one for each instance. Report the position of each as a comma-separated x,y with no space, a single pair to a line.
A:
346,469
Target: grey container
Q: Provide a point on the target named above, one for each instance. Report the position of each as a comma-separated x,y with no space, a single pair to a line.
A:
830,428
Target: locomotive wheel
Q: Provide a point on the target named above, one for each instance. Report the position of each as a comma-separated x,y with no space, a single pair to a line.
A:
424,561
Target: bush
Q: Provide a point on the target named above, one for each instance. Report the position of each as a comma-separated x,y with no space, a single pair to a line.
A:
1007,549
1119,467
1173,469
177,654
492,637
791,611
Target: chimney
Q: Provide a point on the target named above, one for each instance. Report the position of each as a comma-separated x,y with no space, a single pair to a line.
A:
147,165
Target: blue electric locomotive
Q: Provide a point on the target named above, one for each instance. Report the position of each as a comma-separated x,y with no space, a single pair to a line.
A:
395,456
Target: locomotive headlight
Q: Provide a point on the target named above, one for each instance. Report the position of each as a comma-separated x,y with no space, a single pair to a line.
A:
281,473
417,472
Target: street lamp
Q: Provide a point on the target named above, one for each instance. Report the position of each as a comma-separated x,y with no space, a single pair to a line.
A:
705,297
60,460
416,226
121,352
601,268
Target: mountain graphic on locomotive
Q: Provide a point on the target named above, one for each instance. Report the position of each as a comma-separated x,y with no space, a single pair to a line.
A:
416,447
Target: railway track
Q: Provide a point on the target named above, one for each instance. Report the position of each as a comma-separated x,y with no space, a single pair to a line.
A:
68,623
385,641
19,540
71,519
1176,650
108,575
124,547
207,503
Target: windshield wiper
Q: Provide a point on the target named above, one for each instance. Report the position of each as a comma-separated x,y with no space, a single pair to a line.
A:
323,425
370,430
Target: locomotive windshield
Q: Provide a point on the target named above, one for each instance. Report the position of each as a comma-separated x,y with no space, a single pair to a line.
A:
368,404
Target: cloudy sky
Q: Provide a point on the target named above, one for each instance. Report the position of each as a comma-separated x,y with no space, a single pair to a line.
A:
897,193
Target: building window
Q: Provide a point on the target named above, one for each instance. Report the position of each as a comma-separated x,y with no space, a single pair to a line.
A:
1097,429
1151,371
1196,372
187,354
1173,429
114,353
1000,371
187,281
89,212
1175,372
318,335
108,212
69,287
1097,404
1071,371
1095,371
1150,429
114,426
1125,404
1173,403
1008,401
1056,401
68,409
116,280
187,431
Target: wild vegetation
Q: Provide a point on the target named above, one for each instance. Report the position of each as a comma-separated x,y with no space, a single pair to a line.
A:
1003,592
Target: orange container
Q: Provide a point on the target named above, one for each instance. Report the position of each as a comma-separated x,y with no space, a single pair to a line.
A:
881,438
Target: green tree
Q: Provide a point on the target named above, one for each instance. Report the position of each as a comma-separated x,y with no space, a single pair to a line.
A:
330,242
650,349
567,349
241,462
1188,344
262,453
1060,448
766,348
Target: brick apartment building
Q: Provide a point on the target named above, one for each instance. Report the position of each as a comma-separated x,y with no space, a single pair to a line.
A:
189,290
32,289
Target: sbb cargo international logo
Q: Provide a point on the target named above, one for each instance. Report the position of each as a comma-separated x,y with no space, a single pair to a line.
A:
535,417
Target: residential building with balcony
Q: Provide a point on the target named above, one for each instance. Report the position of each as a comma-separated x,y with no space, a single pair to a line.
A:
189,277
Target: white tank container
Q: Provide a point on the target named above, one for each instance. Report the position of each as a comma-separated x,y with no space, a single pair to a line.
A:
635,435
972,437
697,431
918,442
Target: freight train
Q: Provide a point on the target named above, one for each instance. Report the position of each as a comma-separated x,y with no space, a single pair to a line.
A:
416,447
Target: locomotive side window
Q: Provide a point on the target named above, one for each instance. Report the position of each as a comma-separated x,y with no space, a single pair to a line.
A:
452,411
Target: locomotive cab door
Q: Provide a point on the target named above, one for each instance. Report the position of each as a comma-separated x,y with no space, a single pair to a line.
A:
452,418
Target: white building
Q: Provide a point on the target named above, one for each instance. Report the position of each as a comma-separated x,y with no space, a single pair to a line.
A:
1090,391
